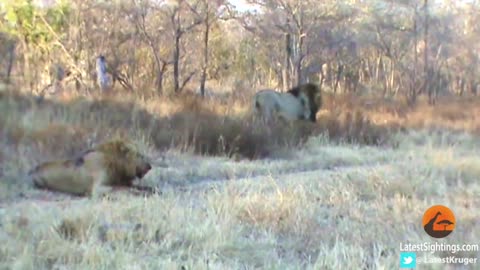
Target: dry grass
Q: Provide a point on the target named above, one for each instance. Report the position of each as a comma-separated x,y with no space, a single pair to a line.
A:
450,112
341,194
211,127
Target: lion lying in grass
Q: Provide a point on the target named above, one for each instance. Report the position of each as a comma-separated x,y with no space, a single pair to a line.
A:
95,172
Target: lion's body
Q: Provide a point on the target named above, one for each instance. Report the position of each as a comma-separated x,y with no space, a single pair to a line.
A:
94,172
269,103
299,103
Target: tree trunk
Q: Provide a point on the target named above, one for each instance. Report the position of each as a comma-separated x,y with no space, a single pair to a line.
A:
337,77
161,72
26,64
321,78
412,94
379,66
392,76
385,77
203,77
158,65
286,65
176,61
425,55
11,57
298,70
462,86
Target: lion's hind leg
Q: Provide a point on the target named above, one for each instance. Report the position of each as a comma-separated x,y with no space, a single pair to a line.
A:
99,186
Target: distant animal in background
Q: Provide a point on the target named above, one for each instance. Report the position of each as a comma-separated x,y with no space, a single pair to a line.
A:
102,76
299,103
94,172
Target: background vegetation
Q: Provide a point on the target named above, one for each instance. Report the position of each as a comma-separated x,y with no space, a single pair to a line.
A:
386,48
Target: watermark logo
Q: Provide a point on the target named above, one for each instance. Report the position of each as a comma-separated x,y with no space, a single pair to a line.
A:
408,260
438,221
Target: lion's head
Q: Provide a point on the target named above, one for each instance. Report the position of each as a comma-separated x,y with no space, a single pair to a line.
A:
312,93
123,161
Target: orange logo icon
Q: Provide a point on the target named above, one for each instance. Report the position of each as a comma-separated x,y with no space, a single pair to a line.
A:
438,221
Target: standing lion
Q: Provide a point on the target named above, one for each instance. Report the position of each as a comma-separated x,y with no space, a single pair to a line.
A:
299,103
95,172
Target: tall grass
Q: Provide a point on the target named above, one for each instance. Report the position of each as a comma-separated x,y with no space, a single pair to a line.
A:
207,127
335,203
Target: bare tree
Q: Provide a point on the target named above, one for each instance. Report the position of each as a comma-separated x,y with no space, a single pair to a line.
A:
209,12
143,9
181,23
425,55
297,23
8,55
